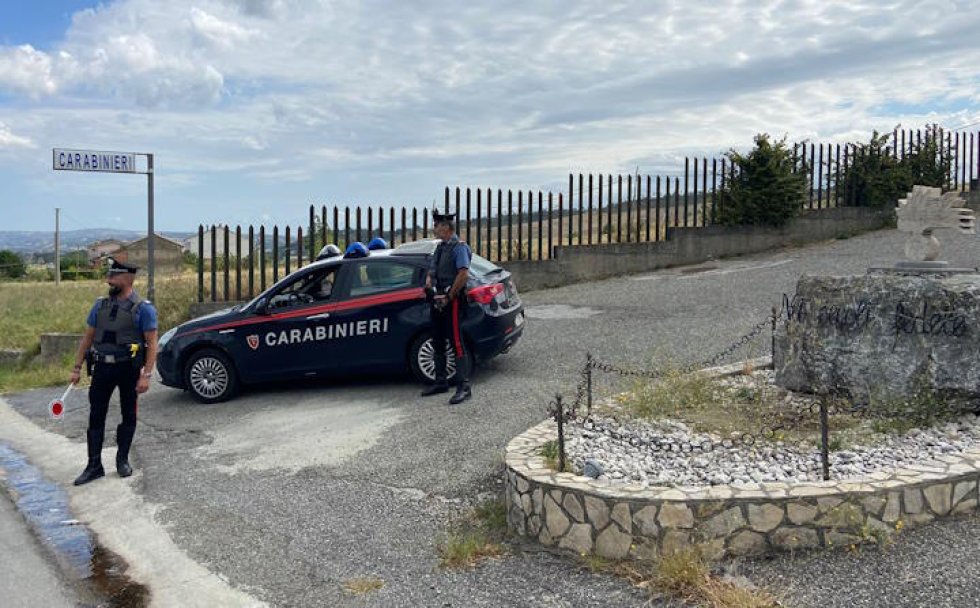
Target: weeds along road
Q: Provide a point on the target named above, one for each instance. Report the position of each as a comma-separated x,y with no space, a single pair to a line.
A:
287,492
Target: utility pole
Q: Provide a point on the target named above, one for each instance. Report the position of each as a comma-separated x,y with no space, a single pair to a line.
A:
57,246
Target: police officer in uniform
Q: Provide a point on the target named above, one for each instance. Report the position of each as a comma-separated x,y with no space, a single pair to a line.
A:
120,347
445,285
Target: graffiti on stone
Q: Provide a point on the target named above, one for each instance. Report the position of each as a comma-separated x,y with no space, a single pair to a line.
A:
858,316
928,320
845,318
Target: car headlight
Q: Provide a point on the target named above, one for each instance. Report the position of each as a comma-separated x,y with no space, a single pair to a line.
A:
166,338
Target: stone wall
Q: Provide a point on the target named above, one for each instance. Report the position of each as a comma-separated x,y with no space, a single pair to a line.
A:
55,346
10,356
588,516
690,246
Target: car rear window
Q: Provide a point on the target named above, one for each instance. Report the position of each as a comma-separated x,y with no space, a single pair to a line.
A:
480,266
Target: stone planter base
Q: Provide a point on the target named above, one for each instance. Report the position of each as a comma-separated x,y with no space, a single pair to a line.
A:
588,516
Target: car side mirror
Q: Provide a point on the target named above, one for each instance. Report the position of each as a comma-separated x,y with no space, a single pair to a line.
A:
262,307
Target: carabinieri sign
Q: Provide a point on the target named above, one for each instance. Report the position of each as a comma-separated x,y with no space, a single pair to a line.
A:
93,161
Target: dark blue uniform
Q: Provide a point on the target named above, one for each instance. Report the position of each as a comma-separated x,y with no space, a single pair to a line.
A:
450,257
115,358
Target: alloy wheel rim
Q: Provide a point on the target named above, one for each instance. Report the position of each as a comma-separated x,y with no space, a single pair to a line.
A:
427,360
209,377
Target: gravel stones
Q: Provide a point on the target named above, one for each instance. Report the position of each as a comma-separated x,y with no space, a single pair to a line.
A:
669,453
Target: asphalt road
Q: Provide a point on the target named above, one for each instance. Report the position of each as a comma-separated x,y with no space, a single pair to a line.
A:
288,491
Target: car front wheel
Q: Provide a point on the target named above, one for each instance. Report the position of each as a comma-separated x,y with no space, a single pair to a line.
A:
210,377
422,359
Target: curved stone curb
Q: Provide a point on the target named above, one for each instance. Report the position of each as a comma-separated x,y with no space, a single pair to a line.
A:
590,516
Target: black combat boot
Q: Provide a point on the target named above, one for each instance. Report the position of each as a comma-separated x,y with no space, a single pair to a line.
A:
124,439
463,393
94,468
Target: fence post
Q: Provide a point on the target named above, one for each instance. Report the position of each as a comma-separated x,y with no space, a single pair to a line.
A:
551,252
629,207
200,262
251,262
598,217
275,254
489,223
287,246
561,211
214,260
238,263
224,249
299,247
520,224
773,344
540,225
704,191
261,258
312,232
824,439
694,212
590,209
619,208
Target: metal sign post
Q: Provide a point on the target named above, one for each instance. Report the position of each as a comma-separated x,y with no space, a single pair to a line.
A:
92,161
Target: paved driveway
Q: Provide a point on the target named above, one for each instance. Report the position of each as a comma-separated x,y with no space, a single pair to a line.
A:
288,491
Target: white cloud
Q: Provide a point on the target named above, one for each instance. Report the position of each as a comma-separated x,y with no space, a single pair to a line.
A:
24,69
9,140
509,92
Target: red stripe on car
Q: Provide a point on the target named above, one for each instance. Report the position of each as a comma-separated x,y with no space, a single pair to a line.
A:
415,293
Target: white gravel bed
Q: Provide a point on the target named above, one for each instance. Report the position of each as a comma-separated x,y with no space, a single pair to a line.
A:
669,453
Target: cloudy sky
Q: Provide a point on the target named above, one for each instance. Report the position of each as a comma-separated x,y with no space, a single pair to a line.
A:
254,108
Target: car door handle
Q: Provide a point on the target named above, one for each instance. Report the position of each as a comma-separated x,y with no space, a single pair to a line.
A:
322,315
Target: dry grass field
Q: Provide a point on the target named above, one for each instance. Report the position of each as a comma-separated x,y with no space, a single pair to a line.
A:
32,308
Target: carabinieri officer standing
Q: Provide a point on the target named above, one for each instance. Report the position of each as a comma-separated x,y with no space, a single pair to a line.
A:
120,345
446,283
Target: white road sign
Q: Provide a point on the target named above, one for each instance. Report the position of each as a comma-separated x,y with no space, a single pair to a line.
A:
93,161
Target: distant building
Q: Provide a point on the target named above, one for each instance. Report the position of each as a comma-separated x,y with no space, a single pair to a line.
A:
100,249
168,255
192,243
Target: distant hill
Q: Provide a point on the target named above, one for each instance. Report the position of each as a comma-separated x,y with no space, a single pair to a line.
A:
27,242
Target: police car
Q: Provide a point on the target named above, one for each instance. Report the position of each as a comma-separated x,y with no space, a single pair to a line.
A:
364,311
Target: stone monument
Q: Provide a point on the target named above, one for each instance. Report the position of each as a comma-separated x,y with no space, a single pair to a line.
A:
923,211
895,331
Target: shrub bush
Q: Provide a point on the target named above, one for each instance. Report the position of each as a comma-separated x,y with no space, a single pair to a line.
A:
11,265
876,178
765,189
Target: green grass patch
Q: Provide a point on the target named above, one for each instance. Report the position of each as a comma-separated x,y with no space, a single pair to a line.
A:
33,308
709,404
475,536
684,576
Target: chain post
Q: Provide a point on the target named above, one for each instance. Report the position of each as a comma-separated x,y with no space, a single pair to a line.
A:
824,439
560,418
773,345
588,377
